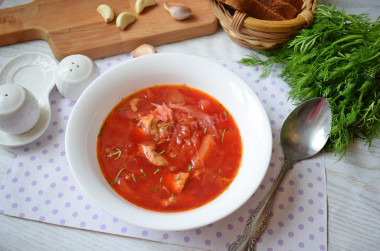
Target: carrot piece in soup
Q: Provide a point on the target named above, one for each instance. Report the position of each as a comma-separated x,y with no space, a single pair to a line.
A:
205,148
176,181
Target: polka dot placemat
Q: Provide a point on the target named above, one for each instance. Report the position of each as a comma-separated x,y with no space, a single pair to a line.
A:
38,183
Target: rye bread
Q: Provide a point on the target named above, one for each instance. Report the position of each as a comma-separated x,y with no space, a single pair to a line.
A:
296,4
285,10
254,8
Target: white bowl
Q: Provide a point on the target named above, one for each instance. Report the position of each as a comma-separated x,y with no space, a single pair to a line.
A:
135,74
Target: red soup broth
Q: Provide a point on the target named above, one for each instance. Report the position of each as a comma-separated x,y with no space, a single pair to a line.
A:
169,148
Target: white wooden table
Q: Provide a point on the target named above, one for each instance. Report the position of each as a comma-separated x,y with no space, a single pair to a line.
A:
353,184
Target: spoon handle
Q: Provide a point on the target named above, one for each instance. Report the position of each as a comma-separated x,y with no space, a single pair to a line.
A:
258,220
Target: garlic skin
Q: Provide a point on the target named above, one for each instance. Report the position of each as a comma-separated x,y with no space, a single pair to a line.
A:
144,49
106,12
178,11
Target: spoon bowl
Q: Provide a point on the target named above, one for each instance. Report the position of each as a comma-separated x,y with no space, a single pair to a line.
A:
303,134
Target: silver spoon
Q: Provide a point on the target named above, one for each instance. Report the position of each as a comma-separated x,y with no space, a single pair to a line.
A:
303,134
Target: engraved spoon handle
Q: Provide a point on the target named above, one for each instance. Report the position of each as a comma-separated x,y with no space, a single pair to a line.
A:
258,220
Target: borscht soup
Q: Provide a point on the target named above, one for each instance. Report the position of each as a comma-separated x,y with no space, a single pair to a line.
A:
169,148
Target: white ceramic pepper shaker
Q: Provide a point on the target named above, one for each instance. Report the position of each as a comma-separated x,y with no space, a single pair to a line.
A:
19,109
74,74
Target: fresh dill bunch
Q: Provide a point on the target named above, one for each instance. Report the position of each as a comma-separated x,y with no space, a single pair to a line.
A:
337,58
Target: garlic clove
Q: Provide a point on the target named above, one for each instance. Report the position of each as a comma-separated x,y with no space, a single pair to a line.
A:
144,49
124,19
140,5
178,11
106,12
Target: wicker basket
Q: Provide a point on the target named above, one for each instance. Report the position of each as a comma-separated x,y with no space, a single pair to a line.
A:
261,34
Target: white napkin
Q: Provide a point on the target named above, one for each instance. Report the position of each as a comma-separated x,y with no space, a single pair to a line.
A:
38,184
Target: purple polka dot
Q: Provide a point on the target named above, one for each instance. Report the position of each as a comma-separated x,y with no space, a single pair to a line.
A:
311,219
319,179
264,101
281,103
53,185
41,192
52,102
21,190
230,226
270,231
95,217
49,137
249,74
300,175
318,164
59,110
62,221
262,186
321,247
311,237
280,224
58,168
123,230
38,143
281,206
75,214
54,123
320,211
165,236
198,231
272,164
300,226
291,216
260,240
87,207
103,227
8,196
56,145
265,88
291,182
51,160
34,209
48,202
55,211
9,171
44,151
186,239
290,199
309,170
300,209
321,229
28,199
241,219
46,176
14,180
301,245
20,164
39,167
320,195
290,234
65,117
63,153
115,220
65,178
60,195
67,204
310,185
34,183
60,131
72,188
281,189
82,224
280,242
218,234
42,218
271,179
21,215
273,96
269,249
310,201
80,197
300,192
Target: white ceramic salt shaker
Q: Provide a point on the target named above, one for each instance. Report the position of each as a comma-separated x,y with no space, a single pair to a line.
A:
74,74
19,109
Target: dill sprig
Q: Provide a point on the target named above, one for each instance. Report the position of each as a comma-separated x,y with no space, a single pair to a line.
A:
337,58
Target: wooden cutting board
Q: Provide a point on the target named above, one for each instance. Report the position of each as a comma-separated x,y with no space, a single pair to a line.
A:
75,27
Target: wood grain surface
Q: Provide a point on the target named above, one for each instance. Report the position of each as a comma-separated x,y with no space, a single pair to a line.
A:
75,27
